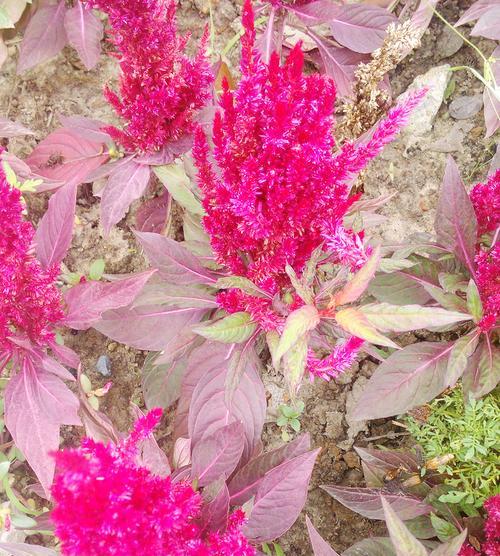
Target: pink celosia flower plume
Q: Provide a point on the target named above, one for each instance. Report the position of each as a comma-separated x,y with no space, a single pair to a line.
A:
485,198
30,302
278,191
160,87
491,545
108,505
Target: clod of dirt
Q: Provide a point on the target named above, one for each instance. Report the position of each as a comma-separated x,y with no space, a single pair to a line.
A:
465,107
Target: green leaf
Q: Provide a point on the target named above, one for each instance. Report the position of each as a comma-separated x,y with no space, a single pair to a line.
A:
297,324
405,318
295,424
452,282
233,329
304,292
174,178
451,548
295,360
272,339
444,529
241,283
287,411
86,384
356,323
4,469
5,20
447,300
474,302
359,282
96,269
459,357
282,421
22,521
278,550
392,265
403,541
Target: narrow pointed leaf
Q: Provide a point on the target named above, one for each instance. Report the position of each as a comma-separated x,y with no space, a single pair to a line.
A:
177,183
173,261
85,32
88,301
451,548
483,371
404,542
319,545
125,184
460,355
404,318
297,324
241,283
406,379
55,230
456,223
355,288
282,493
367,502
232,329
355,322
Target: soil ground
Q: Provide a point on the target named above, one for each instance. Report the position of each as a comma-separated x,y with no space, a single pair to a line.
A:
411,169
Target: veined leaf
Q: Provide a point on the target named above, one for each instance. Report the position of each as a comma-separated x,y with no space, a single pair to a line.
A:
456,222
85,32
459,357
474,301
483,372
404,318
295,360
233,329
356,323
374,546
451,548
297,324
406,379
241,283
174,178
404,542
319,545
359,282
447,300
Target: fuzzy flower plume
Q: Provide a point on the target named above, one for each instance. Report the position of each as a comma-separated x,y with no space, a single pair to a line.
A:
277,191
491,546
108,505
160,87
486,200
30,302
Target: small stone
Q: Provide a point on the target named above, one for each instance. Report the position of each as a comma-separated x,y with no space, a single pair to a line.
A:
334,428
424,204
449,43
465,107
352,460
103,365
422,118
112,346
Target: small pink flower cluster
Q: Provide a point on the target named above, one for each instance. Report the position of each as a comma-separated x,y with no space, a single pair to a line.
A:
486,200
106,504
30,302
160,87
491,546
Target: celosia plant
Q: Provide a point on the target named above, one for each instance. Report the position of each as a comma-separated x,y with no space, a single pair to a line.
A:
107,503
160,87
459,271
30,308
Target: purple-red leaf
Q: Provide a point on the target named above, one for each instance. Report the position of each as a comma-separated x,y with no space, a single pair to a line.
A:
388,459
314,13
65,355
65,158
44,37
483,370
125,184
406,379
174,262
280,498
209,408
24,549
87,128
246,481
153,214
368,503
36,404
360,27
319,545
216,506
88,301
12,129
491,102
478,8
150,328
55,231
340,64
488,24
456,223
85,32
218,455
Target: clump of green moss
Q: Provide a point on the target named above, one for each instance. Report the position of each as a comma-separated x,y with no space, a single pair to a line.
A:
470,432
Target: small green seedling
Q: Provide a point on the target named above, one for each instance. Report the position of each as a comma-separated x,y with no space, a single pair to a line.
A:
92,394
289,417
275,550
